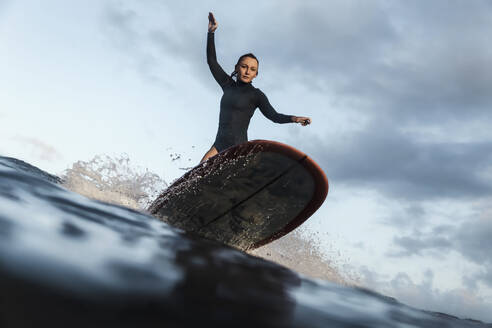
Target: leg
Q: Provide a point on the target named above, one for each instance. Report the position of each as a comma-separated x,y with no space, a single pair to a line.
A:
212,152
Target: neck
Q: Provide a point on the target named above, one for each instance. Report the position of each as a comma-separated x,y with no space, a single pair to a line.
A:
240,82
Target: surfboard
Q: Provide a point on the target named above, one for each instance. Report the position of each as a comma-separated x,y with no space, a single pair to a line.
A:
246,196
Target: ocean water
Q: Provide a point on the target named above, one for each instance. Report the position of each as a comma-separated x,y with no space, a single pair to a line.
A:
69,259
117,181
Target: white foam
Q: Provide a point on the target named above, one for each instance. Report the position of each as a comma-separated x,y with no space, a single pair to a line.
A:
116,181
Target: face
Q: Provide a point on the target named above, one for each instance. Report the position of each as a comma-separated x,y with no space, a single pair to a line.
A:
247,69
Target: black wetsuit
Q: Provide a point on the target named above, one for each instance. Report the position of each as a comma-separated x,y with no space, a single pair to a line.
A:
237,105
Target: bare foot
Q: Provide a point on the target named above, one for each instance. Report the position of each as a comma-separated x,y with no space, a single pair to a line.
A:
212,152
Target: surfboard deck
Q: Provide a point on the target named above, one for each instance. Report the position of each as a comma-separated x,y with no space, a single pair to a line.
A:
245,196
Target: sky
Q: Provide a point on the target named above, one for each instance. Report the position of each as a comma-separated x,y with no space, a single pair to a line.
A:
398,92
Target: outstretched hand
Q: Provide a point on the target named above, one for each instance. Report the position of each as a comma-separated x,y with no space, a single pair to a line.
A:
303,120
212,23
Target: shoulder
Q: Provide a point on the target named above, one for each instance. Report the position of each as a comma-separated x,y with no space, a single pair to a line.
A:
229,84
260,97
260,94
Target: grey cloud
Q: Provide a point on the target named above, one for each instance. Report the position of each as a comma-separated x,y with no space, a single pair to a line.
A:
416,211
412,216
395,58
470,282
391,162
416,246
400,64
155,45
402,281
485,276
179,46
120,26
400,60
474,241
443,229
464,304
341,38
313,36
435,243
471,239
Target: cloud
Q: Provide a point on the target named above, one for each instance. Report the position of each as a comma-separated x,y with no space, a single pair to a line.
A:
395,164
122,27
423,72
474,243
394,60
471,239
474,240
397,58
278,33
158,37
416,246
394,63
411,216
459,302
39,149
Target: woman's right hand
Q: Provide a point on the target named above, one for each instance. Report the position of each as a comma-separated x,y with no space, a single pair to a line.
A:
212,23
301,119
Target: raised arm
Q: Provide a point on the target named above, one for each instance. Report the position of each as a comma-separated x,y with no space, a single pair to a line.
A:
218,73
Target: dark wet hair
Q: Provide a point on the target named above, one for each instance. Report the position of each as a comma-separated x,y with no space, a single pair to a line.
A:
250,55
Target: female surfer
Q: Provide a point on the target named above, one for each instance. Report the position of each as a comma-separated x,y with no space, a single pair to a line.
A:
240,98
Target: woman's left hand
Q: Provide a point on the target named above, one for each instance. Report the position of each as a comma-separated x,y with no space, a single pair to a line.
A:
212,23
303,120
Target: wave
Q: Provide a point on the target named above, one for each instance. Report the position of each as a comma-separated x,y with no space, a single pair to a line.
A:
117,181
67,259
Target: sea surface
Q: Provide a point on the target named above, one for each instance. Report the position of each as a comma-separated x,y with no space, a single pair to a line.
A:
68,260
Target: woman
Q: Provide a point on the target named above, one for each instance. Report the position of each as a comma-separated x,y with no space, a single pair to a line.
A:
240,98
